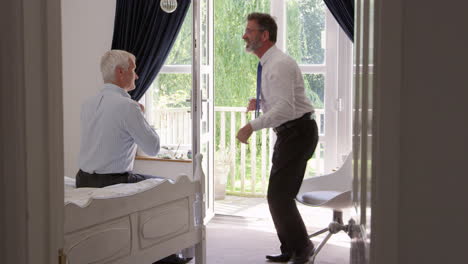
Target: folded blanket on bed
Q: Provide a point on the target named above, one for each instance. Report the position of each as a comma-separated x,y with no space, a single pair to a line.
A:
82,196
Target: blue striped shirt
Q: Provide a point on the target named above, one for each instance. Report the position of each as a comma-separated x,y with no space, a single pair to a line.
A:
112,125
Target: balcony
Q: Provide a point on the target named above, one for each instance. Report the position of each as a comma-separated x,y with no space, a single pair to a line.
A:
241,161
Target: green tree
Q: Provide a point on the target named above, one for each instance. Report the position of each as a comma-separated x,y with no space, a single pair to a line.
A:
305,24
172,90
235,70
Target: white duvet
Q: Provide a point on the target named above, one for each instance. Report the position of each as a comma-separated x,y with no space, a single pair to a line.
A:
83,196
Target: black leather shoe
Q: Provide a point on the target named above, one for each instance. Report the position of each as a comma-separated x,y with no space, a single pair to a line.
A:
283,257
302,256
173,259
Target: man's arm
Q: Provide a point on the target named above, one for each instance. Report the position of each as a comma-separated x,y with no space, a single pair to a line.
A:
145,137
142,107
252,106
244,133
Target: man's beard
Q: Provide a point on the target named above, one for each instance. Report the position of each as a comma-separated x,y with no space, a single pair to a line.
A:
253,45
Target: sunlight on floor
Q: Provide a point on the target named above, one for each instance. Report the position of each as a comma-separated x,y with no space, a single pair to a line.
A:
256,213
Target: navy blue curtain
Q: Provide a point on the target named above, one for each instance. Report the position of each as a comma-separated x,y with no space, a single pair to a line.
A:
142,28
343,11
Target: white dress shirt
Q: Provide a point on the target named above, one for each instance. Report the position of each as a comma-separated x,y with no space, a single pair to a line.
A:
283,95
112,124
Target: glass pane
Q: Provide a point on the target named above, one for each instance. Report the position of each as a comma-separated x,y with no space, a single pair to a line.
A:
314,87
169,113
206,169
181,52
234,69
204,124
205,150
316,165
306,31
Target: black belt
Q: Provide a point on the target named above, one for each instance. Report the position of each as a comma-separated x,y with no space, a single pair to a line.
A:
292,123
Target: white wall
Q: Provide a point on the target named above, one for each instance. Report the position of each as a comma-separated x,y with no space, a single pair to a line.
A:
87,28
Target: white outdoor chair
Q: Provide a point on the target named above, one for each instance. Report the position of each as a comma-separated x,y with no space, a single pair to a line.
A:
329,191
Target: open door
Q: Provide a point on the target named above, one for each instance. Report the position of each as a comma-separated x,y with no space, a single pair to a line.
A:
31,121
202,95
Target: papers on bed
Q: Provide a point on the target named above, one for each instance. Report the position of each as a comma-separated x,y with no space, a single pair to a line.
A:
83,196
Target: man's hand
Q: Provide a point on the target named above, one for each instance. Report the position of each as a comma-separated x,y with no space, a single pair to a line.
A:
244,133
142,107
252,105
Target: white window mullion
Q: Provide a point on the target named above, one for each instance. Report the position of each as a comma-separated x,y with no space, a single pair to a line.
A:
278,11
345,67
331,92
313,68
176,69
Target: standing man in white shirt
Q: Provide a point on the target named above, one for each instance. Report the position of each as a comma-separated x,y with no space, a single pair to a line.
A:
112,125
285,107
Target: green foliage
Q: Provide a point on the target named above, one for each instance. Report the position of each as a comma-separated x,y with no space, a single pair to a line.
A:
181,52
235,69
314,84
306,21
172,90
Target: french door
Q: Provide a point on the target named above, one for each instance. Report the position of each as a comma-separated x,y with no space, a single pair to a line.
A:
202,95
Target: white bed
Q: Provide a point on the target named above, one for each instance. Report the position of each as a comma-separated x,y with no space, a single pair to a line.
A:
135,223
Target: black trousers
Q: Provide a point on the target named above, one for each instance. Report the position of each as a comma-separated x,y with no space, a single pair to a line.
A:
95,180
295,145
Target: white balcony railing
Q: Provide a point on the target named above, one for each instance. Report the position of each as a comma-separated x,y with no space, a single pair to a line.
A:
174,128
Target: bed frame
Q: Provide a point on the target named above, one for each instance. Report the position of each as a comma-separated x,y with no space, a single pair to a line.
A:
139,228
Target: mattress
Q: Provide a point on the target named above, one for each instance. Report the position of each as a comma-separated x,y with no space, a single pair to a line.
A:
83,196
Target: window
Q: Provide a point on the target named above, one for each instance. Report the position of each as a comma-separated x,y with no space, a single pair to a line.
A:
306,31
167,101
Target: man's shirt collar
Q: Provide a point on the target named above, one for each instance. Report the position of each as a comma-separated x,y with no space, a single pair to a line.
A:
115,89
268,54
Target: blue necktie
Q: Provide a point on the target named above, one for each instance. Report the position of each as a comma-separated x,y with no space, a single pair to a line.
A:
259,89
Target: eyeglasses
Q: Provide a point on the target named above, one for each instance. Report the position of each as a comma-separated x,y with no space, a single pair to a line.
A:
250,30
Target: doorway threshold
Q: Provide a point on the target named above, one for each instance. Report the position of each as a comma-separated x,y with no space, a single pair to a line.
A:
242,207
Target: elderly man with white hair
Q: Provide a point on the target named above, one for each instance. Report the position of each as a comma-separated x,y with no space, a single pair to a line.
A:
112,125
